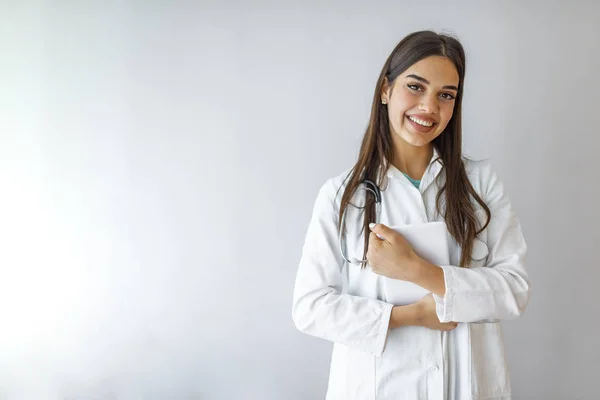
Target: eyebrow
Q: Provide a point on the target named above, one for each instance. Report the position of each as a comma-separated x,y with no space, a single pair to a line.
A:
417,77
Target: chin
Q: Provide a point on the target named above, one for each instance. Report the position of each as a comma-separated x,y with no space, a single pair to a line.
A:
416,139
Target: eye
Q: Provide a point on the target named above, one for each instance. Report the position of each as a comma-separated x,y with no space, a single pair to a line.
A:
447,96
414,86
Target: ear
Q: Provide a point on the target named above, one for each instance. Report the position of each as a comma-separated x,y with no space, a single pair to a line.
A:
385,90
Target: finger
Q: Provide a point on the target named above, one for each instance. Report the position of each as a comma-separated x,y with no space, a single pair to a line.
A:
373,238
382,231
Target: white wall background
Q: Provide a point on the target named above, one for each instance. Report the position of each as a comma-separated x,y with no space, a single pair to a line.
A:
159,163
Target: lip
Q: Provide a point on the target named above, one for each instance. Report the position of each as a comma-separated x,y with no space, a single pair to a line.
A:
421,128
423,117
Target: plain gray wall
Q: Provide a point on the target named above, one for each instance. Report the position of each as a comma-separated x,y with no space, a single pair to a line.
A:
159,162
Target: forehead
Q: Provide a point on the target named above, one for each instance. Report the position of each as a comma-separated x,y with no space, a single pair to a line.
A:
439,71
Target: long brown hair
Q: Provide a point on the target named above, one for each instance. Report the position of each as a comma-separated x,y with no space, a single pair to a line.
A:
377,149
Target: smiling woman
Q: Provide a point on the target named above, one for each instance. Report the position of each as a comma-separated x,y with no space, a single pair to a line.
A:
448,344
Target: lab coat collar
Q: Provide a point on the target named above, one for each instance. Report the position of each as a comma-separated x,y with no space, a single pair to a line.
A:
431,172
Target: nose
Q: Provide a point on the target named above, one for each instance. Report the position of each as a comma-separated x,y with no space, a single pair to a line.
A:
429,104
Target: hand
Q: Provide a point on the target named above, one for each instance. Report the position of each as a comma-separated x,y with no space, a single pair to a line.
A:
427,317
389,254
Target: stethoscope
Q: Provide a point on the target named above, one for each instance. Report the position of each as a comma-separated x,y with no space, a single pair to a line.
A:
373,188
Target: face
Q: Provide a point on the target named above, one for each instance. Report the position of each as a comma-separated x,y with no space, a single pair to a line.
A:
422,101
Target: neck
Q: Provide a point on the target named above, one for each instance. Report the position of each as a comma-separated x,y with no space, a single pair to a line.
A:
412,160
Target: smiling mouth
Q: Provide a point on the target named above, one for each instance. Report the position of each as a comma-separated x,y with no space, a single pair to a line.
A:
421,126
426,124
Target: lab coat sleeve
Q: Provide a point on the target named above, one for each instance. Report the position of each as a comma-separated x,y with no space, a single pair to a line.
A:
500,289
319,308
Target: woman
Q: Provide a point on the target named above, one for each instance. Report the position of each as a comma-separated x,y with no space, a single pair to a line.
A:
447,344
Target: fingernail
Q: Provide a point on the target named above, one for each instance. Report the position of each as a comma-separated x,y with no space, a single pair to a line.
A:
371,225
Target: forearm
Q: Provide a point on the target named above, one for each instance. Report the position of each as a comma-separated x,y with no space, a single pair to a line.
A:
429,276
483,293
355,321
404,316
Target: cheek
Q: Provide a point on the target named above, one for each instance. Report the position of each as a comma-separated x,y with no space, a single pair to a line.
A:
446,114
402,102
405,101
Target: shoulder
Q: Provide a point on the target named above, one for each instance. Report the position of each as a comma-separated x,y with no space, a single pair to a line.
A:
333,188
483,177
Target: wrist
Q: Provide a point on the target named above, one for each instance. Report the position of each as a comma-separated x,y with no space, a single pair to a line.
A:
417,268
429,276
405,315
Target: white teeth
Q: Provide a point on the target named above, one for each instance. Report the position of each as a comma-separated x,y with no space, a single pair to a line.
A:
420,122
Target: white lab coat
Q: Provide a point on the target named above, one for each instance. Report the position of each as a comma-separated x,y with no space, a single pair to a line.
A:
346,305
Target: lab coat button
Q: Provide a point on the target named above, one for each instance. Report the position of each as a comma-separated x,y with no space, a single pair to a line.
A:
435,368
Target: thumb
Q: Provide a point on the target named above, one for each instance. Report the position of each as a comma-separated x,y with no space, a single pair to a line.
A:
382,231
